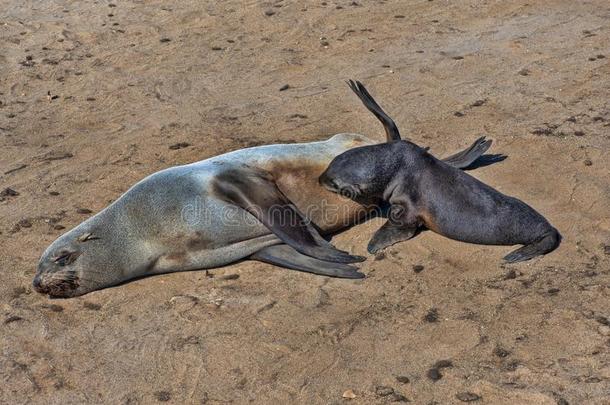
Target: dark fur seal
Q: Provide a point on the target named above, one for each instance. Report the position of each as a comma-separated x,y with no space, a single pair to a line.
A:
262,203
422,191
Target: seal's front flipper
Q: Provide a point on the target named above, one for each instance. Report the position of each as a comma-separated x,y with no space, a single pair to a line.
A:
389,234
546,244
286,256
369,102
466,157
255,191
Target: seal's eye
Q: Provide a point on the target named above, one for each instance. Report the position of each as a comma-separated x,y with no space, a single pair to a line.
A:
350,191
65,258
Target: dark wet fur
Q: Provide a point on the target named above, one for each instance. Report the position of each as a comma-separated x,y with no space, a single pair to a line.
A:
442,198
435,194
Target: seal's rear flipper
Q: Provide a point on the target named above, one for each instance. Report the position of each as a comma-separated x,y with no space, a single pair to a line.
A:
286,256
547,244
466,157
255,191
369,102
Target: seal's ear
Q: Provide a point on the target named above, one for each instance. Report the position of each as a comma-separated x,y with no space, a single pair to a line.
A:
369,102
255,191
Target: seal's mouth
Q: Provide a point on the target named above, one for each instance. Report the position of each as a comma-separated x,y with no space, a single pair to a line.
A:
56,285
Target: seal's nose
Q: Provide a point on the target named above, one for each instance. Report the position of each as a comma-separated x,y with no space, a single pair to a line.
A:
322,179
37,284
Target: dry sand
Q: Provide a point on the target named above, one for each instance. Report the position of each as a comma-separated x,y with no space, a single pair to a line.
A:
94,94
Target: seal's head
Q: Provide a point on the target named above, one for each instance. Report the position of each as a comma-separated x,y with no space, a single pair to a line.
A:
80,261
363,172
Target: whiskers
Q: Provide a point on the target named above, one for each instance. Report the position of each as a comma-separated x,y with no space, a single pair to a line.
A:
60,284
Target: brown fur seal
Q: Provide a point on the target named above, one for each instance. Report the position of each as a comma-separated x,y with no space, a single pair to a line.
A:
419,190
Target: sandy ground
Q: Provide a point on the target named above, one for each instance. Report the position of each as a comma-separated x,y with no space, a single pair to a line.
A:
94,94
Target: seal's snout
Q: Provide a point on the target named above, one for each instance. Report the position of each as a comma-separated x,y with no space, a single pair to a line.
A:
37,284
54,276
56,285
323,179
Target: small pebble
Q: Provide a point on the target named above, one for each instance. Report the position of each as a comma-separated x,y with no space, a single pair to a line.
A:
163,396
403,379
562,401
164,40
553,291
434,374
383,391
12,318
83,211
579,133
349,394
54,307
92,306
398,397
500,352
8,192
588,162
418,268
510,275
269,13
432,315
467,396
179,145
25,223
443,364
603,320
284,87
